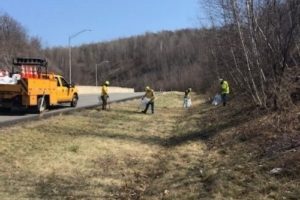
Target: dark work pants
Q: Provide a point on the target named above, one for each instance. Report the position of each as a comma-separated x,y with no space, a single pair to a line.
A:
147,106
224,99
104,101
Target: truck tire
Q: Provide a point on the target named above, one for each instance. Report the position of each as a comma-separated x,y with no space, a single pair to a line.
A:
41,105
74,101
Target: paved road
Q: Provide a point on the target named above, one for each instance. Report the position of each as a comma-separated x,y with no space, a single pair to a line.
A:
87,100
84,102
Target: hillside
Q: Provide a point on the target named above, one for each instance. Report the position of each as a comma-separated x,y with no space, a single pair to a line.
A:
165,60
206,152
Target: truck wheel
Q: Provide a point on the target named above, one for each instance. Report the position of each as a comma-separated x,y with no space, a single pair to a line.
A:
74,101
41,105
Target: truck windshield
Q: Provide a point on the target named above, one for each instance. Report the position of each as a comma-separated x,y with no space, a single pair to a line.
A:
64,83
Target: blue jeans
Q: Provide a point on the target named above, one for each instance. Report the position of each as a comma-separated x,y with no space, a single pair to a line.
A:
104,101
147,106
224,98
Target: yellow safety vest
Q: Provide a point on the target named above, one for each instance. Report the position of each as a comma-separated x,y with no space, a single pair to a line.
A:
225,87
150,95
104,90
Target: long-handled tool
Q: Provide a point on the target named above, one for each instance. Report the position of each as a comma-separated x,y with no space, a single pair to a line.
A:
108,103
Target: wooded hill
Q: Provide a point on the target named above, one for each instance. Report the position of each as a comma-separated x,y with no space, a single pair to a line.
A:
14,41
166,60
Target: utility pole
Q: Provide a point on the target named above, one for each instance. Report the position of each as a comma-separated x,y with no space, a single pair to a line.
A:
96,69
70,51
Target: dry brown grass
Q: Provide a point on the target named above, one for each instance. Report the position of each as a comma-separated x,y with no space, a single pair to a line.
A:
250,143
91,154
123,154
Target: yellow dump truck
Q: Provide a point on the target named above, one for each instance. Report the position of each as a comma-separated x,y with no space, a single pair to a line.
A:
30,85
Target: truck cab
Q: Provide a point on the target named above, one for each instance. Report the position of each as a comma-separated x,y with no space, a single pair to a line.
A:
35,87
64,90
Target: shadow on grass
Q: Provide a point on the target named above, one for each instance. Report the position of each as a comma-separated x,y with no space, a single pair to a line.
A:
204,133
53,186
233,119
145,139
128,112
77,184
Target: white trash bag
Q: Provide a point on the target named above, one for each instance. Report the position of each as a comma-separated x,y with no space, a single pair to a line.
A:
217,100
10,80
143,103
187,102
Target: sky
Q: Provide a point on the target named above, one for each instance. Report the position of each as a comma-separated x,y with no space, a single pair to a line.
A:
54,21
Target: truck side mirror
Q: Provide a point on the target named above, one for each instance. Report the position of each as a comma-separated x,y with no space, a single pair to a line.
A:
71,85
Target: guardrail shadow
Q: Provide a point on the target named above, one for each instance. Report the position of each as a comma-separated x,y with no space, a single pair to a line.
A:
28,111
13,112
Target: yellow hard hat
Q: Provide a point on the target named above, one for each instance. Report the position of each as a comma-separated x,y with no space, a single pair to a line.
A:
106,83
147,88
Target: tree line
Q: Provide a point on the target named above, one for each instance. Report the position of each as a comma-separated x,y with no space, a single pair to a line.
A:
14,41
166,60
252,43
255,44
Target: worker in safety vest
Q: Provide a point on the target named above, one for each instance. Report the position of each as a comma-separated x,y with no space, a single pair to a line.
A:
224,91
104,94
149,95
187,101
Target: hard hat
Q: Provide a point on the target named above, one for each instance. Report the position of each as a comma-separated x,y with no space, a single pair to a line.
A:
147,88
106,82
190,89
220,79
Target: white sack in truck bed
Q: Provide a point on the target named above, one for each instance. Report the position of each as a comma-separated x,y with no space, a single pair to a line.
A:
10,80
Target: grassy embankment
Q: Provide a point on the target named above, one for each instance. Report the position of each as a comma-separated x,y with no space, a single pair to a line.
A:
204,153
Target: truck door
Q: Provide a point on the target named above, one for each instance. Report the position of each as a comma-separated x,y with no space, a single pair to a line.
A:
62,90
68,89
